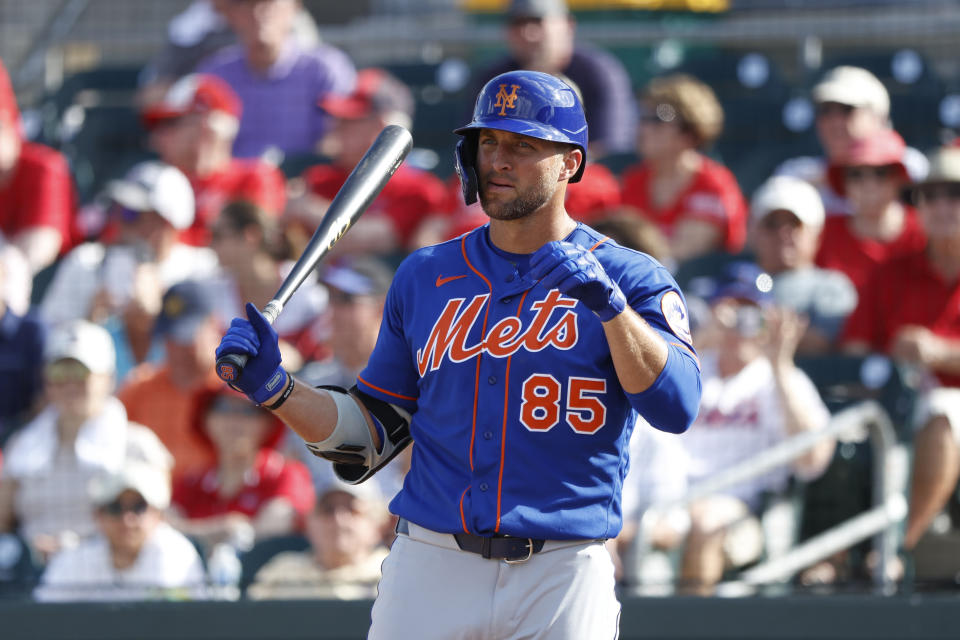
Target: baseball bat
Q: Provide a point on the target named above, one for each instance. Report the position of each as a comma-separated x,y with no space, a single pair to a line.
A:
364,183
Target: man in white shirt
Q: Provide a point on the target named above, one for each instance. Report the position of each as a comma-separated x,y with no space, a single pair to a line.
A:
136,556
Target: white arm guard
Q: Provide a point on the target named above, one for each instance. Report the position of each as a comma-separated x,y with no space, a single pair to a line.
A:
351,447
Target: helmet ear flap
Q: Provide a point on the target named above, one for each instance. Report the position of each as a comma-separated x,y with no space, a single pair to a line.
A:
465,160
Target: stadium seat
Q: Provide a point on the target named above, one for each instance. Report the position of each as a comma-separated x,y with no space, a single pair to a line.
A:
261,553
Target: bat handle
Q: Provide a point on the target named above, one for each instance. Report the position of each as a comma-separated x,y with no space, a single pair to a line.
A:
230,366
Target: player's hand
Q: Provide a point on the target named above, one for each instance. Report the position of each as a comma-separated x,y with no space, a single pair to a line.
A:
256,339
576,272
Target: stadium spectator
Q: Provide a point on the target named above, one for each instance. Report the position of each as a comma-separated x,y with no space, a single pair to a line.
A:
410,196
909,309
786,221
871,176
37,198
343,562
754,397
163,395
250,250
625,227
357,288
851,104
540,35
21,359
196,33
252,491
83,431
278,80
193,128
120,284
695,201
135,555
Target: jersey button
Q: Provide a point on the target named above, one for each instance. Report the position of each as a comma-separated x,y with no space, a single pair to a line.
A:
487,435
484,486
492,379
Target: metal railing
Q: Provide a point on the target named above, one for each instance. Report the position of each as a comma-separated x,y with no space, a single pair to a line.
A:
881,521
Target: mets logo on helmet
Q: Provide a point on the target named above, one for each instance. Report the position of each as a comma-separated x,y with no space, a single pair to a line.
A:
506,100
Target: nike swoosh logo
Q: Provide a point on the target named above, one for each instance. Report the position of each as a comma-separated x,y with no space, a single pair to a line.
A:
442,281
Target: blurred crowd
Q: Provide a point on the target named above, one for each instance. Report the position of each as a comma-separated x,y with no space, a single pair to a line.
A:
130,471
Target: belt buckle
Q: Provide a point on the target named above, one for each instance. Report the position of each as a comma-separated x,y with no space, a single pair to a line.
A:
526,557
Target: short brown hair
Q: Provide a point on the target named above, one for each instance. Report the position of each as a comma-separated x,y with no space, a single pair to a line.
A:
694,101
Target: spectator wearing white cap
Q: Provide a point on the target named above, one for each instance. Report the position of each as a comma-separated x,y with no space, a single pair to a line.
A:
136,555
83,431
786,220
343,562
851,104
120,284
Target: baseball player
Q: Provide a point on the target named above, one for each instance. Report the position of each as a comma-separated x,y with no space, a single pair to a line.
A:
515,357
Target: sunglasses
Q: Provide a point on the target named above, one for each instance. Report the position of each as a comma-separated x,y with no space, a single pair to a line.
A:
860,173
933,192
118,508
830,108
65,371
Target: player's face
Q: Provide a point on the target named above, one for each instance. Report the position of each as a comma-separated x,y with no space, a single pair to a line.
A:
517,174
939,207
781,242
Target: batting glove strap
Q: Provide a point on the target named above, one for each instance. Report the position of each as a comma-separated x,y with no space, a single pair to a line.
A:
616,303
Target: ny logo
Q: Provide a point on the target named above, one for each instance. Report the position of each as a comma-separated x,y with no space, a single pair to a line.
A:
506,100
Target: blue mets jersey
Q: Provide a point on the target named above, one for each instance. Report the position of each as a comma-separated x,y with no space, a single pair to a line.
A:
520,425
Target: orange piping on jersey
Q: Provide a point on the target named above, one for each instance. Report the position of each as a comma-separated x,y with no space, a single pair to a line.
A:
389,393
483,333
503,435
688,350
463,518
599,243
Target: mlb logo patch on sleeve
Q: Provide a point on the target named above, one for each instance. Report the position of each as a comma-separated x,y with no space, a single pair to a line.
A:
675,313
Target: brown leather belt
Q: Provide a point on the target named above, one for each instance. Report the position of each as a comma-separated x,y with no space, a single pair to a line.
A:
507,548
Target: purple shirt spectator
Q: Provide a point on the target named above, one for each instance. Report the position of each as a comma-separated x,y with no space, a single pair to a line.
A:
280,107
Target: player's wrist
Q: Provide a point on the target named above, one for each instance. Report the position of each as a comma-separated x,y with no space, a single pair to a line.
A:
615,305
271,390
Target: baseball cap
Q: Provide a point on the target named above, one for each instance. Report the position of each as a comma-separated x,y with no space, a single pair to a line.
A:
884,148
194,93
87,343
520,9
375,92
789,193
359,276
743,281
156,186
853,86
149,481
186,305
944,166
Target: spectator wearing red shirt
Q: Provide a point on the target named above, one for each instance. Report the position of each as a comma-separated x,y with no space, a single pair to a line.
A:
410,196
36,190
252,491
695,200
910,309
193,128
871,176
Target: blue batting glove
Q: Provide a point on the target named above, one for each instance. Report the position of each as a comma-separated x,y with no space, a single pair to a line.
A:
576,272
262,376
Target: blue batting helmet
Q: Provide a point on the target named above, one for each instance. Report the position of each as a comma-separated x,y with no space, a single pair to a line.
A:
530,103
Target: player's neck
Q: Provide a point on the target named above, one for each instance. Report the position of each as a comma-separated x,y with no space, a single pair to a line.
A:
527,234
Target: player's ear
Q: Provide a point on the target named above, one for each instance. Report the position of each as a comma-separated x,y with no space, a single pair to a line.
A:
572,159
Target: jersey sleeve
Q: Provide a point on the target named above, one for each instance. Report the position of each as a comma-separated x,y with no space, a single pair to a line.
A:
672,401
391,374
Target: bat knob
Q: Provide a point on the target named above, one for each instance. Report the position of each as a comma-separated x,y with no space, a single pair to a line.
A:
230,366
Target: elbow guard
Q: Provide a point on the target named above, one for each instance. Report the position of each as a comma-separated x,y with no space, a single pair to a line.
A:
672,401
350,447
